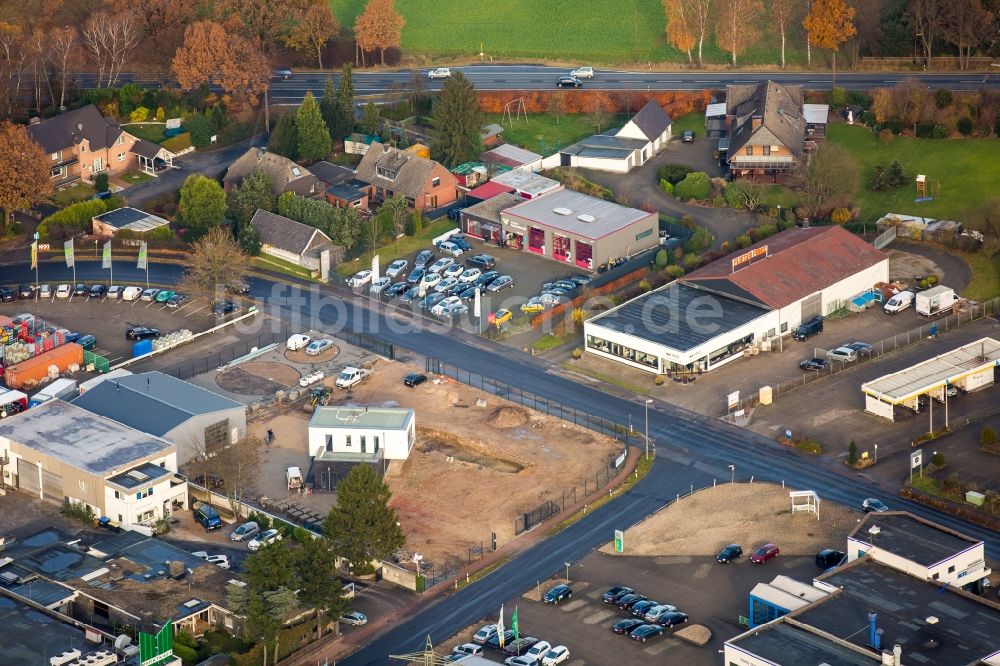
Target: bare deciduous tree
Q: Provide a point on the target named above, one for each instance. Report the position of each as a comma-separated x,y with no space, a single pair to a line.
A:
700,14
13,59
927,18
783,12
967,24
64,46
109,40
235,467
736,27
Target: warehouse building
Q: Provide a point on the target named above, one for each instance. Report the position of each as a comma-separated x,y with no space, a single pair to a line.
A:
577,229
745,302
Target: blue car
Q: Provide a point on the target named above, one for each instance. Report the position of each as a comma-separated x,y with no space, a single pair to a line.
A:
557,594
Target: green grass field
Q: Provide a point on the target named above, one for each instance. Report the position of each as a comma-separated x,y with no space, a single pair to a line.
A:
152,133
540,133
963,172
587,31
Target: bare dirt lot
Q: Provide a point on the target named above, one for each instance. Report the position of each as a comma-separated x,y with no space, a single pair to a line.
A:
478,462
747,514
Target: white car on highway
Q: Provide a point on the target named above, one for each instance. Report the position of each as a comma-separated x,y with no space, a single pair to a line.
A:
439,73
583,73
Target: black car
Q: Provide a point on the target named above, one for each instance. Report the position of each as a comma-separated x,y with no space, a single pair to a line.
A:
829,557
520,646
494,642
814,364
454,212
568,82
175,300
239,288
615,593
557,594
630,600
430,300
410,294
808,328
416,275
483,262
224,308
142,333
645,632
467,294
7,294
487,277
862,348
673,618
729,553
396,289
642,607
423,258
626,627
461,241
414,379
98,291
80,290
873,505
26,291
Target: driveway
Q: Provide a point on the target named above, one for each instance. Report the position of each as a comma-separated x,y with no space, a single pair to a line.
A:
641,188
209,163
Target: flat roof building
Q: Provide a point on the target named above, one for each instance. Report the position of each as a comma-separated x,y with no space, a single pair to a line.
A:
509,155
342,437
127,218
527,184
482,219
578,229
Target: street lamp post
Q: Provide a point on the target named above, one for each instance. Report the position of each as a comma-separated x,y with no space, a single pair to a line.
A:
567,571
732,477
876,453
649,400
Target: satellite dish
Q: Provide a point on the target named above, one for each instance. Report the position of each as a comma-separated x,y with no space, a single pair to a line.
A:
122,641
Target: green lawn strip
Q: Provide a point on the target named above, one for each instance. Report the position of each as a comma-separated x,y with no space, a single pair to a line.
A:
607,379
136,177
398,248
967,171
72,195
482,573
985,283
930,486
692,121
549,341
153,133
640,471
274,264
540,133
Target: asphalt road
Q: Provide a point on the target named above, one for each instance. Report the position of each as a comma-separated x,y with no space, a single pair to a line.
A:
691,449
535,77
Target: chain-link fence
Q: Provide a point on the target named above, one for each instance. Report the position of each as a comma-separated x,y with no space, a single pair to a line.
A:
569,496
216,359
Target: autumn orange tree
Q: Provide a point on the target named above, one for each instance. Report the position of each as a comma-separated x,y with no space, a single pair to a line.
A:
24,171
736,27
313,29
380,27
829,24
212,55
678,29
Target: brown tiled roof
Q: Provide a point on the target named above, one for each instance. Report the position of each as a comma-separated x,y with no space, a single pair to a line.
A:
799,262
285,175
285,233
778,106
68,129
412,171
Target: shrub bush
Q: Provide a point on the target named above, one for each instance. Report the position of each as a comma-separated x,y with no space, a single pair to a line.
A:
725,246
937,459
837,97
140,115
667,187
673,173
160,114
101,182
742,241
700,240
577,353
766,231
662,258
852,453
187,654
964,125
719,202
943,98
885,178
200,128
988,437
690,260
858,98
675,271
164,233
886,136
696,185
840,216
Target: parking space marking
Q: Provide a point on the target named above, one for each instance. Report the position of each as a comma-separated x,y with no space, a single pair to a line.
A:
198,310
597,617
573,605
675,559
595,594
577,662
703,570
661,646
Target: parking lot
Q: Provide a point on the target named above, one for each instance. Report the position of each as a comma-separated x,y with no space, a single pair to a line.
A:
107,319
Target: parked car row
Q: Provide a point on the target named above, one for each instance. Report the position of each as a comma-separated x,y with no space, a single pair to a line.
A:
844,354
555,292
649,617
522,651
167,297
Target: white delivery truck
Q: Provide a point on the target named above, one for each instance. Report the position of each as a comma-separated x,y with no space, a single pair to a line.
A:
899,302
935,300
60,388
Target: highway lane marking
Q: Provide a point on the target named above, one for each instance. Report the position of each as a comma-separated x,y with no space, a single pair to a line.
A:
712,81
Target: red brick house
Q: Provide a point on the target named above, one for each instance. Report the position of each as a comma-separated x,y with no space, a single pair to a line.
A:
82,143
389,172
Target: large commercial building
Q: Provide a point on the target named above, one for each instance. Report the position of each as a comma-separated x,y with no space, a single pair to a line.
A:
710,316
577,229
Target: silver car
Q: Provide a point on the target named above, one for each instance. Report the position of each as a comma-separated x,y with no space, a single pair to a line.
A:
245,531
844,355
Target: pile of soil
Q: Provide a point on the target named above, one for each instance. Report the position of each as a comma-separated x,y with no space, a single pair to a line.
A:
508,417
258,378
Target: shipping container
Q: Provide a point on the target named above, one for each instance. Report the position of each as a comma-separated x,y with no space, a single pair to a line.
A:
12,402
37,367
60,388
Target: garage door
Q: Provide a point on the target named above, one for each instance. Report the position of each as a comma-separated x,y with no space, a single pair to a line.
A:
27,477
812,306
52,486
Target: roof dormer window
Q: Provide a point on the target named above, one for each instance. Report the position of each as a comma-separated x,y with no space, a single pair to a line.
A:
388,174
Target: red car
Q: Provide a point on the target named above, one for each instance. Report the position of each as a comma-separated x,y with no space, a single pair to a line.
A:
764,553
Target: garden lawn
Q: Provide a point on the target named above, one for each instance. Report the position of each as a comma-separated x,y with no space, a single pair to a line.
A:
269,263
540,132
584,31
985,283
72,194
692,121
963,172
152,133
399,248
136,177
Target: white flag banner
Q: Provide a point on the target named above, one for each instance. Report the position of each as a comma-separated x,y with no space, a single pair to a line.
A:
375,267
477,308
500,628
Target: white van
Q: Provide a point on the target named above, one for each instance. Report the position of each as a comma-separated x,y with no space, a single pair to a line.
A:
131,293
297,342
900,301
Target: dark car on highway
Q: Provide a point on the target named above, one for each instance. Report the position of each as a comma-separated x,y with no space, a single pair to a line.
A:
729,553
627,626
645,632
142,333
6,294
568,82
557,594
615,593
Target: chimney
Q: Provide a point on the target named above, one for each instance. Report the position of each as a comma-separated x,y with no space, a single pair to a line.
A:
79,127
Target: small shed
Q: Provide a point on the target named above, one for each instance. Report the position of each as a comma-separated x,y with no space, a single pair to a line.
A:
353,194
131,219
491,135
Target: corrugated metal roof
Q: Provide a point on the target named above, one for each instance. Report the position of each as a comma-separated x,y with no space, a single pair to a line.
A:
816,114
715,110
510,154
608,216
935,372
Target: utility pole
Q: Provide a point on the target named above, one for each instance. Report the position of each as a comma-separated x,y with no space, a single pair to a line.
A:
648,400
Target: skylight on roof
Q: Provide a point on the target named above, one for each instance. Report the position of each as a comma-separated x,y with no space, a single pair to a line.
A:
296,171
584,217
137,475
192,603
562,211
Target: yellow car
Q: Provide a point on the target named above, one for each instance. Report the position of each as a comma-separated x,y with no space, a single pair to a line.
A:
532,307
501,317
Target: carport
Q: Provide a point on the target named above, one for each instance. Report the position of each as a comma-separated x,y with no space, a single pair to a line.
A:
967,368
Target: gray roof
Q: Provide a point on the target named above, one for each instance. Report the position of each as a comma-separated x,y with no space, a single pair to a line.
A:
913,538
937,371
679,316
966,628
778,106
608,217
490,208
285,175
509,155
147,149
331,173
361,417
152,402
138,476
285,233
526,181
346,191
70,128
605,146
33,637
81,438
132,218
793,645
652,120
412,171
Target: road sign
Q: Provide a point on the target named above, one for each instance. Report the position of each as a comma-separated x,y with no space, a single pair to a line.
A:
733,399
619,541
916,458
